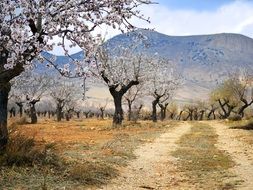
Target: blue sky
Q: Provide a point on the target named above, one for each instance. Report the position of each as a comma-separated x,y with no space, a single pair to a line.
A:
192,17
194,4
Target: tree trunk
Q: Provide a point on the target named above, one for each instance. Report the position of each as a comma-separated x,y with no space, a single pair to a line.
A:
201,116
78,115
162,113
118,114
163,110
34,118
20,106
58,112
242,108
180,115
67,115
209,115
154,114
4,92
190,115
102,113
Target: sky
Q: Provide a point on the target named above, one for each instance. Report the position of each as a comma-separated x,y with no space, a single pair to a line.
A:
193,17
193,4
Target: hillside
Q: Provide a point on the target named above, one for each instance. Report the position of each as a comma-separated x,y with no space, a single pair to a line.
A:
203,60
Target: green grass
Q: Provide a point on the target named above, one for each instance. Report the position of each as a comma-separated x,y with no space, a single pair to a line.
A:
200,160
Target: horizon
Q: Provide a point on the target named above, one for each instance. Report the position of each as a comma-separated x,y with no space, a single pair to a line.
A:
77,52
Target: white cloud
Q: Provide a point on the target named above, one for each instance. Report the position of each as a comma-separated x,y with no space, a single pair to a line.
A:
235,17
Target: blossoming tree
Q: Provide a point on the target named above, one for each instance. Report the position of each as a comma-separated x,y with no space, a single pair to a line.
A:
163,80
120,73
29,27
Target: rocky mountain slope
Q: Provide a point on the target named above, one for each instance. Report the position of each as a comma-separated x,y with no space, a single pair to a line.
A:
203,60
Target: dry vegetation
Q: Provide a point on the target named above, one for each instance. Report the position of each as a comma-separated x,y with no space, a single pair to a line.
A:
70,155
243,130
200,160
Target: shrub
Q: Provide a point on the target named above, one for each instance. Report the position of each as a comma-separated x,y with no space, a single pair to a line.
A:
248,126
22,151
235,118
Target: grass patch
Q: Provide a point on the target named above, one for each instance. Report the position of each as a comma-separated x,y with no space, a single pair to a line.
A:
22,151
70,155
92,173
205,165
243,130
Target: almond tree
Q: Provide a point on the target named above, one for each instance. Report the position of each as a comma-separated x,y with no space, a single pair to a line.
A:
29,27
29,88
120,73
62,92
233,95
131,96
162,83
173,110
102,108
241,90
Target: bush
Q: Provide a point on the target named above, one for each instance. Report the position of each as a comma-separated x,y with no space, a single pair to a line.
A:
248,126
235,118
21,151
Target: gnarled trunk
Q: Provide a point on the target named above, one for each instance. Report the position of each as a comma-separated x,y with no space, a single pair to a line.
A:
59,113
180,115
4,92
163,110
154,111
243,107
59,108
20,106
34,118
201,115
118,113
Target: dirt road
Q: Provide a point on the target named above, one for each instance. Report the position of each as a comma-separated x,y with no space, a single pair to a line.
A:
151,169
156,169
241,153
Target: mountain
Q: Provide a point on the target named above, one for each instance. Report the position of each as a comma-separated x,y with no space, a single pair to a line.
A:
203,60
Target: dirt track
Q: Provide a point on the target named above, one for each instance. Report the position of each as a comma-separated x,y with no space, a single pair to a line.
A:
151,169
155,168
241,153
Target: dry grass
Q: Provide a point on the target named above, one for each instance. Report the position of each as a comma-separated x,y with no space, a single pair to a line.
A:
204,164
243,130
90,152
